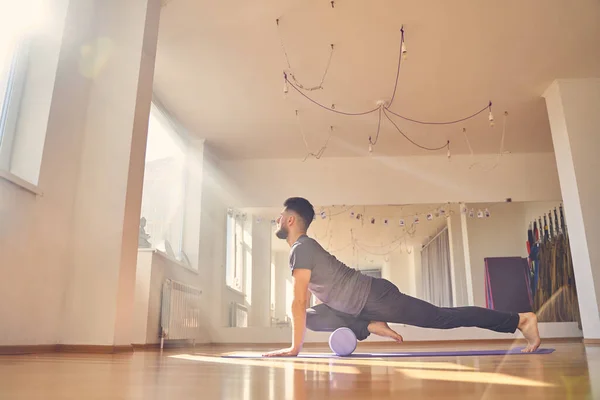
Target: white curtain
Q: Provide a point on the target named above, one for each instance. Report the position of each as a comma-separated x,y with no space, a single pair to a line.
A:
435,264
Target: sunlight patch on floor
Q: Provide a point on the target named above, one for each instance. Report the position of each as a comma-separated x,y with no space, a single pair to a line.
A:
374,362
271,363
472,377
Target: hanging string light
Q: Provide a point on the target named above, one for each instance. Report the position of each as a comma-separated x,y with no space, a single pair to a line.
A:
386,108
412,141
371,142
289,66
501,151
309,153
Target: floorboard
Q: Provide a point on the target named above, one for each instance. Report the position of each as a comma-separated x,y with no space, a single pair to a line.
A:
571,372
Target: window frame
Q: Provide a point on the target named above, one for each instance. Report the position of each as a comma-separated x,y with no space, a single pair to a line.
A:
235,262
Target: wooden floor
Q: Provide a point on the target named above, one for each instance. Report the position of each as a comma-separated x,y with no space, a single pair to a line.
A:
572,372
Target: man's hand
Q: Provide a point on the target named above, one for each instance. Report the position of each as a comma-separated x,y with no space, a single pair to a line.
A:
289,352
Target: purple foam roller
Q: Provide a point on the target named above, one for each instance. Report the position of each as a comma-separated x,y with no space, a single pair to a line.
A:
342,341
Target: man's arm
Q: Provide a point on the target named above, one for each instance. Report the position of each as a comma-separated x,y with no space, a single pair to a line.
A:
301,264
301,279
299,306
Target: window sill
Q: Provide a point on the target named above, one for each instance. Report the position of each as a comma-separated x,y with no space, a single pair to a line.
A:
174,261
236,291
15,180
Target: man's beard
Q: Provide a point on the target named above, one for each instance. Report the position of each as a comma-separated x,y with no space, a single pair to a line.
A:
282,233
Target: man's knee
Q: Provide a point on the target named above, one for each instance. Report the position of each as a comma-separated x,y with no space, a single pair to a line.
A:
312,319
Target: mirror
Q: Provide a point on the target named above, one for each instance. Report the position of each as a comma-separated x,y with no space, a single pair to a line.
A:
447,254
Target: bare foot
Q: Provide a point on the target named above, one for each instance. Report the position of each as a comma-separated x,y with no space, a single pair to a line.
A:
383,329
528,325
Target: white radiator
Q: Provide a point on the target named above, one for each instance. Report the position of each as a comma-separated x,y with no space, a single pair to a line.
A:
180,311
238,315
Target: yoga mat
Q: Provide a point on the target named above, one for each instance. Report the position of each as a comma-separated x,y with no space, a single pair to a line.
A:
514,351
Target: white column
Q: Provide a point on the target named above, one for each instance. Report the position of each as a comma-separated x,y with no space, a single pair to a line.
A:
467,257
193,204
574,112
418,271
213,233
261,273
117,63
457,258
282,274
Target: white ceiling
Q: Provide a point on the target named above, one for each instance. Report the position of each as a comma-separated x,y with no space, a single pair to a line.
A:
219,70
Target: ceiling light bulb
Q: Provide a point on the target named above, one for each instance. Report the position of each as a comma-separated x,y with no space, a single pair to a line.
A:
448,153
403,51
491,118
370,148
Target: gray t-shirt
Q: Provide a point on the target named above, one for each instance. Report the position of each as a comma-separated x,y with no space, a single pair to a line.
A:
332,282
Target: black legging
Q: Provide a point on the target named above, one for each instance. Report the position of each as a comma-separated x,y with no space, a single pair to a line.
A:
386,303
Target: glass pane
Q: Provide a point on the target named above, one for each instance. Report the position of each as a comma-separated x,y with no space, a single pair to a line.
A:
161,225
18,20
6,56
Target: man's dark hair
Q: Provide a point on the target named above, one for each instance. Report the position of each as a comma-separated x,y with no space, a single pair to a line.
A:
302,207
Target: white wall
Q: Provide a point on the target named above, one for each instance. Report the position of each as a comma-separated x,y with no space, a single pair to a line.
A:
402,271
400,180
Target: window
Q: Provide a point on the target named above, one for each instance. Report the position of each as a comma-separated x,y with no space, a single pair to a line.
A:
31,34
236,248
13,70
163,197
